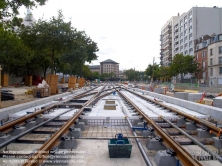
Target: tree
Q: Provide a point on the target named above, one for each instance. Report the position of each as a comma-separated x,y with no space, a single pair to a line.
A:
86,71
53,38
164,72
183,64
82,49
10,8
13,51
153,71
130,74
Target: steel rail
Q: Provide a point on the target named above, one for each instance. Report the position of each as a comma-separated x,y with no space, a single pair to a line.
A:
142,151
38,157
212,128
29,116
181,153
10,140
213,154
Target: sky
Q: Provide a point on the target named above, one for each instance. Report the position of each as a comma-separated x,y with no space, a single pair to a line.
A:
126,31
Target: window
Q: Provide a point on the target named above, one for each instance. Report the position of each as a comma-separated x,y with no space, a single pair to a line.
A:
190,36
190,15
181,29
190,50
220,70
181,41
211,52
185,19
190,43
220,60
181,23
203,65
220,37
203,54
214,39
211,61
203,75
196,56
211,71
186,52
190,29
185,32
220,50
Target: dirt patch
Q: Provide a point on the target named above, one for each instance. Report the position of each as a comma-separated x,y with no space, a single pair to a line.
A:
19,99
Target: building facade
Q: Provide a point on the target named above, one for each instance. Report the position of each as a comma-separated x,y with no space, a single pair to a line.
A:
192,25
94,68
166,38
215,61
109,66
201,56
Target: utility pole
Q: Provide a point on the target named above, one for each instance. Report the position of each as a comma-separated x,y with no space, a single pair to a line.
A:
153,70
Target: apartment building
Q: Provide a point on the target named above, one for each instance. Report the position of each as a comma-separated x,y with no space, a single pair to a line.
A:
166,42
215,61
109,66
201,55
192,25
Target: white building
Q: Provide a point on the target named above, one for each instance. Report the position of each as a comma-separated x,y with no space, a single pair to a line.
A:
215,61
198,21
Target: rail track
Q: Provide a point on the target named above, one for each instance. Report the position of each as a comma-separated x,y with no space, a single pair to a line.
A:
50,134
160,130
59,128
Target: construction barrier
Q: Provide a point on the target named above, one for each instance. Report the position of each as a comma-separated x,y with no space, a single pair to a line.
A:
52,81
4,80
72,82
28,81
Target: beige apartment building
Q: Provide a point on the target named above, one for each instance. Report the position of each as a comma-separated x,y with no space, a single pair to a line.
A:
107,66
215,61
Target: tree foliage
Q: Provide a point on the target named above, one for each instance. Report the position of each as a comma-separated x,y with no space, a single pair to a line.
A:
13,51
10,8
183,64
60,46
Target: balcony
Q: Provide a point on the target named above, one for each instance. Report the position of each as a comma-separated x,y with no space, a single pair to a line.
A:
170,58
176,34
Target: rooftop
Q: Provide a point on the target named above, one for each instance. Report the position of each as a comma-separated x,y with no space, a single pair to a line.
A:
109,61
94,66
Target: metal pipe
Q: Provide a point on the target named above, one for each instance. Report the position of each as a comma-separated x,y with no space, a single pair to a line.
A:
195,141
108,138
29,130
142,151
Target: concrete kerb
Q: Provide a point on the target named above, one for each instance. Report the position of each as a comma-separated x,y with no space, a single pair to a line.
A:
200,108
13,109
